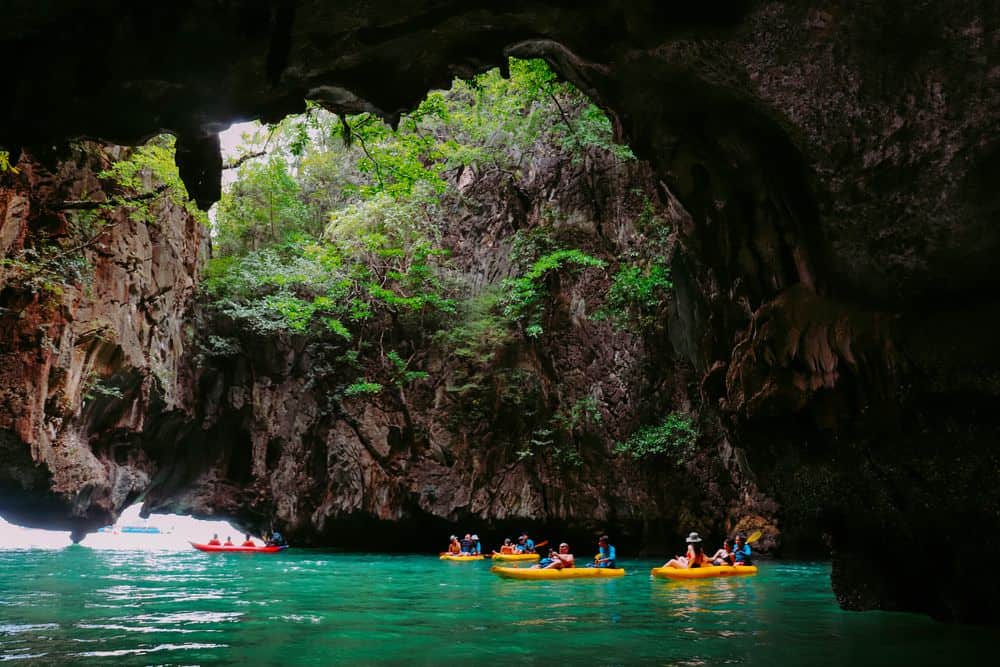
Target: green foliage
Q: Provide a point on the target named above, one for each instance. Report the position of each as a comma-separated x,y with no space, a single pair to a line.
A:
332,227
95,387
145,174
5,164
584,412
546,442
676,438
523,295
401,375
637,295
362,388
477,332
264,206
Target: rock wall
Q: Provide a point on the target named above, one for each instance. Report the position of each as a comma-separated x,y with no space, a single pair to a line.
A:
92,315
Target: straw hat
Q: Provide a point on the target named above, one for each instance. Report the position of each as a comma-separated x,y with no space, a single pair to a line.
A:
693,538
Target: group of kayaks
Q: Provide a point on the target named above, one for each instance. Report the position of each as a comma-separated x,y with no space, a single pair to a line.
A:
536,574
529,558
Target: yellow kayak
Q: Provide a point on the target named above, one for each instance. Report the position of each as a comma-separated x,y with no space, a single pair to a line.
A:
567,573
703,572
516,557
460,558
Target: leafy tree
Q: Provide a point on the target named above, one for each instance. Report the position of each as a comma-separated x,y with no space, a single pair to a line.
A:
5,163
263,207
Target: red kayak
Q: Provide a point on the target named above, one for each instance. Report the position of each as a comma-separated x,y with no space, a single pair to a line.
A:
251,550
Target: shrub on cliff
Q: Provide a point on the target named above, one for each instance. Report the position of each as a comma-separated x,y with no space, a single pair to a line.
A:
675,438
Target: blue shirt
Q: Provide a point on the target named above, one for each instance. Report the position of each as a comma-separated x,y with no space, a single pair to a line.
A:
742,554
528,546
609,554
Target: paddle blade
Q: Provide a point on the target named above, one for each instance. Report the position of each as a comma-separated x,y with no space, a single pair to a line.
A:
754,536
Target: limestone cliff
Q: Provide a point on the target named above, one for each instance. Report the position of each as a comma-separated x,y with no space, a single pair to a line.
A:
92,327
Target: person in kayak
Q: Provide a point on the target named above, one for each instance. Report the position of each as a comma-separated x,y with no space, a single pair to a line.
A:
467,545
561,559
228,542
606,556
507,547
695,556
723,556
741,552
276,540
454,547
214,542
247,542
525,545
477,549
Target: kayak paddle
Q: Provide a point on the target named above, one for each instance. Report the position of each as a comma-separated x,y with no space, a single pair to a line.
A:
754,536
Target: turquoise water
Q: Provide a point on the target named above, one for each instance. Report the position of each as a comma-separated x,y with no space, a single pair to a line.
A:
83,606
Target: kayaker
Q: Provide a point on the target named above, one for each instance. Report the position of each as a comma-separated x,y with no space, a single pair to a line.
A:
476,547
723,556
695,556
454,547
741,552
606,556
214,542
525,545
247,542
507,547
561,559
276,540
467,544
229,542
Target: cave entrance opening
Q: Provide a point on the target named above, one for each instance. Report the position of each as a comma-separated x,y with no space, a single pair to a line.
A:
130,531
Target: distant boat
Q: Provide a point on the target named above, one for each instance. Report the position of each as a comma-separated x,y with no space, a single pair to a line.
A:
145,530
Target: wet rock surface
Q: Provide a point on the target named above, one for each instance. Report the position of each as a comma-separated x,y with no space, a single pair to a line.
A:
831,169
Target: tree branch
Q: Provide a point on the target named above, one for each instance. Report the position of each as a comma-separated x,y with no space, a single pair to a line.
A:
116,200
243,158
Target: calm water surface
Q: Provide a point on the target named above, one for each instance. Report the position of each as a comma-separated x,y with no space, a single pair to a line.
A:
82,606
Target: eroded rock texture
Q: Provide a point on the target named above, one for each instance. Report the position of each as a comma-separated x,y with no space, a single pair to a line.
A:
85,364
837,164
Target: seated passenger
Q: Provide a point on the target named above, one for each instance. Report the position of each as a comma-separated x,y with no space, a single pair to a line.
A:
247,542
476,547
525,545
723,556
606,556
467,545
229,542
695,556
454,548
507,548
741,552
214,542
561,559
276,540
